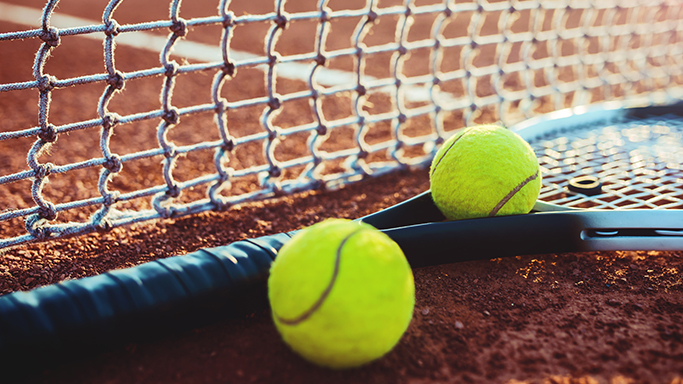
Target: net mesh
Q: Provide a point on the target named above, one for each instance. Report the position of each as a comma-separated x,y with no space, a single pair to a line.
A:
238,105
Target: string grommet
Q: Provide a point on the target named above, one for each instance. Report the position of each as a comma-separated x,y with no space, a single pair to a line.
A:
587,185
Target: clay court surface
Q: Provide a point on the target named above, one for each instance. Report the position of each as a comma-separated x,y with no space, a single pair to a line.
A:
602,317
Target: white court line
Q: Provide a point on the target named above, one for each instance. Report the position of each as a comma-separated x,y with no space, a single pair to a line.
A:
192,50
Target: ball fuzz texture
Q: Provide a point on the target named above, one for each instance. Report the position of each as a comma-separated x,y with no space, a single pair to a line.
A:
485,170
341,293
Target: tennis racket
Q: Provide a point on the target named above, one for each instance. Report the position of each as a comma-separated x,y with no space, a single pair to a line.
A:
612,180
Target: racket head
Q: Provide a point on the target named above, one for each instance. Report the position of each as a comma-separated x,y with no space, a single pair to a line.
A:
610,156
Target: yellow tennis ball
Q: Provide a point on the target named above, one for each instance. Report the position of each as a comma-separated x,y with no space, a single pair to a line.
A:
485,170
341,293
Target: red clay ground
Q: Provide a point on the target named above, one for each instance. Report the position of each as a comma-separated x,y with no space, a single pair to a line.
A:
605,317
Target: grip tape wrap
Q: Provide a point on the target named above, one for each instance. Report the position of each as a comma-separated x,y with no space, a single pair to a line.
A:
157,295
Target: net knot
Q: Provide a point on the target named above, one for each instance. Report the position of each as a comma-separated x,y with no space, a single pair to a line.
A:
324,16
34,226
110,198
104,225
448,12
221,107
321,129
43,170
171,116
116,80
47,211
224,175
50,36
113,164
179,27
229,144
361,90
273,134
371,16
111,28
48,133
109,120
281,21
273,58
47,83
402,118
170,151
320,59
228,19
173,190
274,103
275,171
171,69
162,206
229,69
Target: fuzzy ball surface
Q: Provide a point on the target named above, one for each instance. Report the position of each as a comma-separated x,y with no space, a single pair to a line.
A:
482,171
341,293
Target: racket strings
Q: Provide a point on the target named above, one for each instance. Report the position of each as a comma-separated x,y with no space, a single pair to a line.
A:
637,161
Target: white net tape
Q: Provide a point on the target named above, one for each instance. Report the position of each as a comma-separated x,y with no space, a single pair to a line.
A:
377,89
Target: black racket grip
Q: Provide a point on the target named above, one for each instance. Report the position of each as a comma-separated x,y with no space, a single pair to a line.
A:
138,301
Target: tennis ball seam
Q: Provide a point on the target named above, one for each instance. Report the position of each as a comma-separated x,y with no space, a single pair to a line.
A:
512,193
446,152
323,296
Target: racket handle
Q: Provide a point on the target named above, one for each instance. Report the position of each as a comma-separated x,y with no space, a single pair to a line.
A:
487,238
151,297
